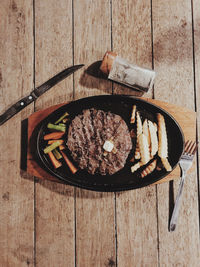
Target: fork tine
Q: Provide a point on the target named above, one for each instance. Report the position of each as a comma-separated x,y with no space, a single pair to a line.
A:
187,145
194,148
190,149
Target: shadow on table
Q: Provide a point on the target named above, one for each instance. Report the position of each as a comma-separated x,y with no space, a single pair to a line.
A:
94,78
23,156
24,144
171,200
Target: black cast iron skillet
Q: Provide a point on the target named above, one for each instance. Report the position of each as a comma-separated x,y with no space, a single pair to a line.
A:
124,179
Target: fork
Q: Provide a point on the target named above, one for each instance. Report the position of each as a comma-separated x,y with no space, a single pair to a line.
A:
185,164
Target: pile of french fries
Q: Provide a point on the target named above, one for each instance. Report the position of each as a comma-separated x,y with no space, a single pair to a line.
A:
151,140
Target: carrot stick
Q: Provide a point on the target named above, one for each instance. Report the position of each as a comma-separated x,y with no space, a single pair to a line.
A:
54,161
61,147
71,166
54,135
53,141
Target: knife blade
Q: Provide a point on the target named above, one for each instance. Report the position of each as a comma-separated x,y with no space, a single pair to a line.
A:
38,91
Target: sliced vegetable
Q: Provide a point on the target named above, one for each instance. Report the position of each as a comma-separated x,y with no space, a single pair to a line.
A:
54,135
53,141
56,127
62,117
71,166
62,147
52,147
54,161
65,120
62,124
57,153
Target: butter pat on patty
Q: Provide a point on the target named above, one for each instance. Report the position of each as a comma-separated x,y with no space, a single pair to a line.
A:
108,146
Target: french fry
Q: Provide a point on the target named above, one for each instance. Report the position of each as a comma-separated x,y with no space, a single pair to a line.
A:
139,125
137,151
136,167
62,147
154,138
163,143
166,164
144,149
133,114
146,131
162,137
156,126
149,169
139,132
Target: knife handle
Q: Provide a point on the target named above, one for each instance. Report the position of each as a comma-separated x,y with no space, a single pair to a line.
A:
17,107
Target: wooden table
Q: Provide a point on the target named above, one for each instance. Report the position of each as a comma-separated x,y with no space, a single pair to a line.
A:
44,223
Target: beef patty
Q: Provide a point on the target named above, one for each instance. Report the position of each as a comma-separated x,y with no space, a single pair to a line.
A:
86,137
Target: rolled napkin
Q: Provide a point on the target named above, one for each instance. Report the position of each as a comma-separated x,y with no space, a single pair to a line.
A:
121,71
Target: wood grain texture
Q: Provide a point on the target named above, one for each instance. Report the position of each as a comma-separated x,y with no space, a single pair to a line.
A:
131,35
54,202
17,244
136,232
92,38
16,76
196,20
95,217
53,49
173,61
74,227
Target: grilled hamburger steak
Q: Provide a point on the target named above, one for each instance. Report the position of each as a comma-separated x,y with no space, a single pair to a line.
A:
99,141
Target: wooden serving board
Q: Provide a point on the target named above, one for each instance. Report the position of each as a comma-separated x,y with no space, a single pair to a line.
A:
185,117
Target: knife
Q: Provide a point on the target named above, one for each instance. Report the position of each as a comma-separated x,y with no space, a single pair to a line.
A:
38,91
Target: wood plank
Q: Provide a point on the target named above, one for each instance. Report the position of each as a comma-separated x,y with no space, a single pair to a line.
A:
196,18
54,202
136,210
92,38
131,31
95,218
16,76
173,61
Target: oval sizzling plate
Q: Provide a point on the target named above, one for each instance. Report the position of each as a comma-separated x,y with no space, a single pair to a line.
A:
124,179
